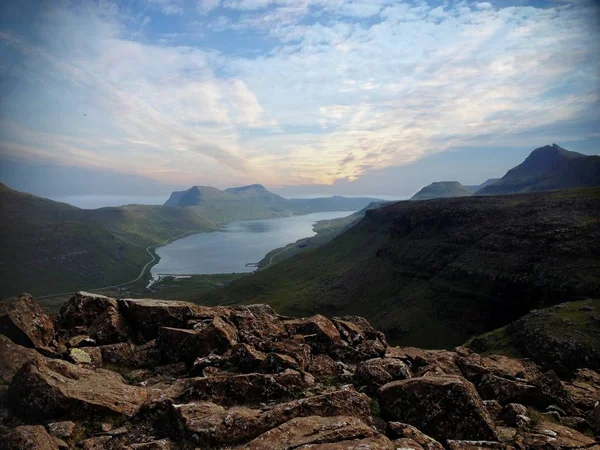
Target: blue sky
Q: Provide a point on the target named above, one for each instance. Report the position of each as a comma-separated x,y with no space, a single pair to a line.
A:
328,96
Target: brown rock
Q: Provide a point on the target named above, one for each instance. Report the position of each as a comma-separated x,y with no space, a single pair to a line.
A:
503,390
162,444
318,331
61,430
81,340
238,389
313,430
258,323
12,358
407,444
214,425
475,366
96,443
511,412
109,327
94,353
323,365
146,316
23,321
398,430
81,310
377,442
594,419
584,388
425,402
297,350
426,362
370,375
28,437
478,445
246,358
119,354
493,407
276,363
553,436
55,388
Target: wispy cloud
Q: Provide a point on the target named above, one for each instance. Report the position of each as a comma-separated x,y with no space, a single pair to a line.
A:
322,91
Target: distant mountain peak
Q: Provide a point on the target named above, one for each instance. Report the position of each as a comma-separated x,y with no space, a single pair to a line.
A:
254,187
442,189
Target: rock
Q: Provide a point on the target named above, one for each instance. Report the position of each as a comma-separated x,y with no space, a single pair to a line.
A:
407,444
218,334
594,419
276,363
23,322
503,390
426,362
549,435
584,388
162,444
323,365
511,411
475,366
318,331
81,340
478,445
314,430
258,323
297,350
522,421
61,430
94,353
210,361
214,425
246,358
28,437
577,423
370,375
109,328
119,354
398,430
60,443
55,388
493,407
425,402
78,356
96,443
81,310
12,358
238,389
146,316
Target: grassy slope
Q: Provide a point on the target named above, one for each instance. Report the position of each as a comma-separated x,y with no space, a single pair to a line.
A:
434,273
568,333
51,247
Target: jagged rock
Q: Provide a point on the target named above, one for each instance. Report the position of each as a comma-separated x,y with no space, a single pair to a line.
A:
215,425
552,436
426,362
96,443
323,365
119,354
23,321
318,331
28,437
146,316
297,350
398,430
478,445
218,334
55,388
12,358
239,389
78,356
257,323
475,366
94,353
61,430
210,361
522,421
81,340
246,358
162,444
493,407
510,413
276,362
370,375
425,402
81,310
503,390
109,328
584,388
577,423
305,431
594,419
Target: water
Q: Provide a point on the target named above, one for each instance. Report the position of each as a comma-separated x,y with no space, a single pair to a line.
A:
101,201
241,242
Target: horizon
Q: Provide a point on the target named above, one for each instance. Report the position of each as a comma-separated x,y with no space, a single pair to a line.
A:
313,97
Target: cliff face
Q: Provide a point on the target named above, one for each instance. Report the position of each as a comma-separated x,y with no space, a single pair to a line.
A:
434,273
152,374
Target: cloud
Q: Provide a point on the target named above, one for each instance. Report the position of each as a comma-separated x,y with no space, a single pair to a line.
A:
294,92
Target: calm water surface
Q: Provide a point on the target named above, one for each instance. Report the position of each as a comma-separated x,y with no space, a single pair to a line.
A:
241,242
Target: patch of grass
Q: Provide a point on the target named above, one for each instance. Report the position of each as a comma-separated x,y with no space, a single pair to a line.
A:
375,408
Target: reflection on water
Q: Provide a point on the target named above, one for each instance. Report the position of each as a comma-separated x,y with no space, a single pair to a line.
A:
239,243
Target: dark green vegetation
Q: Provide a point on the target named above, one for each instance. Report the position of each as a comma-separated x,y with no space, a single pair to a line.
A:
326,230
562,337
50,247
442,189
477,187
436,272
255,202
548,168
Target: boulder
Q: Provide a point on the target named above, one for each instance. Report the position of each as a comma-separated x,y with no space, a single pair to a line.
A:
81,310
214,425
29,437
311,431
478,445
257,323
503,390
318,331
119,354
238,389
12,358
246,358
493,407
370,375
425,403
109,327
323,365
276,362
553,436
297,350
510,413
594,419
584,388
161,444
426,362
146,316
62,430
475,366
23,322
54,388
398,430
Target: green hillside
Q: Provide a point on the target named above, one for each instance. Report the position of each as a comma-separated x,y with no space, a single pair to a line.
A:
50,247
435,273
442,189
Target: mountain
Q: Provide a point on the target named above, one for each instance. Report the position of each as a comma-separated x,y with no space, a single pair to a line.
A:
51,247
442,189
434,273
254,202
477,187
548,168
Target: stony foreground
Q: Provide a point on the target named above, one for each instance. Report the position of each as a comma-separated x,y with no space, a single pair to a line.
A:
151,374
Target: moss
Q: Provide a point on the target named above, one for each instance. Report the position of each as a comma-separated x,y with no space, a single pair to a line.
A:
375,408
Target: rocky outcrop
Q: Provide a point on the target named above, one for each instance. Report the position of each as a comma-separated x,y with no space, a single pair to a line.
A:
24,322
149,374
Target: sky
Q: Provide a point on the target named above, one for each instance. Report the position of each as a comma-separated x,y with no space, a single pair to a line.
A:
306,97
